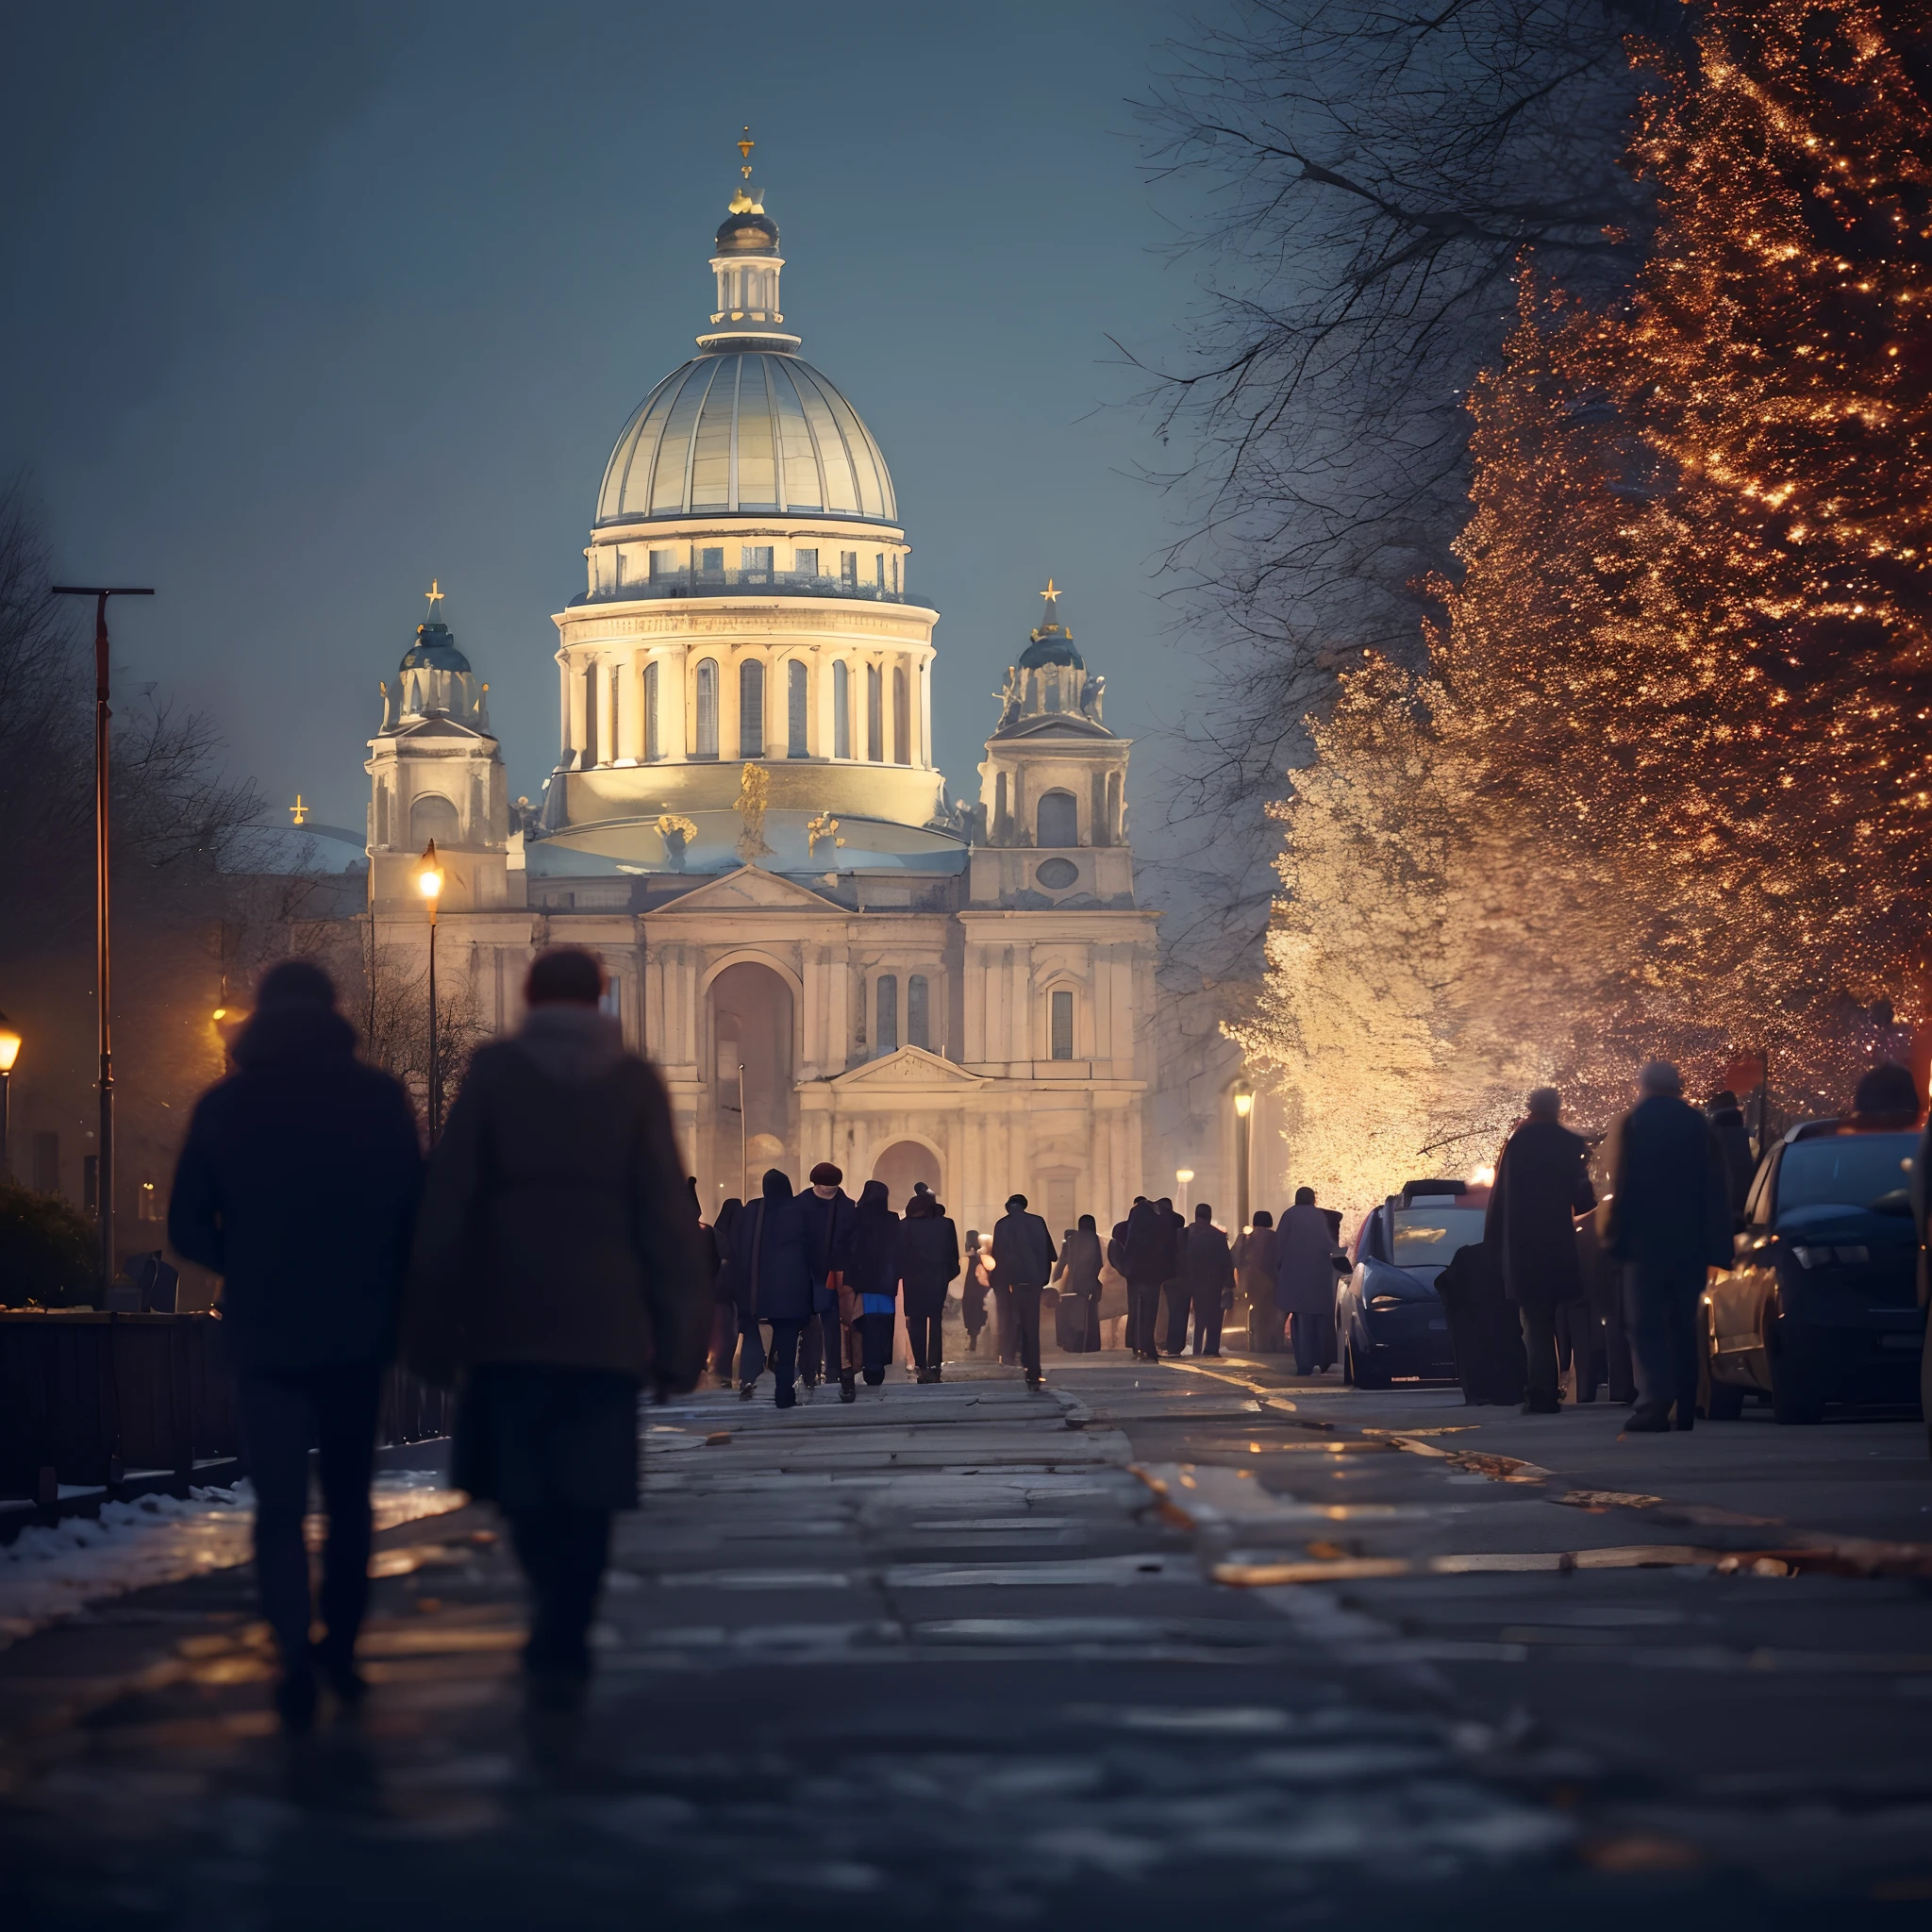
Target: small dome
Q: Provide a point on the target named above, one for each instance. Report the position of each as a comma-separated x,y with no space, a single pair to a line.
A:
435,649
1052,643
754,232
745,430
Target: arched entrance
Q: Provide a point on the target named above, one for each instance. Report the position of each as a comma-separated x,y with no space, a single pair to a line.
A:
903,1163
749,1024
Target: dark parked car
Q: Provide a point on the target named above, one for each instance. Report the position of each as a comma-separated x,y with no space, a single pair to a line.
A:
1388,1323
1821,1304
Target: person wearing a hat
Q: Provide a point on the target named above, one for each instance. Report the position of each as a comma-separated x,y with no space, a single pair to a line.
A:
1023,1258
1665,1217
826,1211
297,1184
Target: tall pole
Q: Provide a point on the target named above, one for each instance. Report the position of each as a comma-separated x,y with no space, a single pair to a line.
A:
104,1183
435,1044
1241,1156
743,1178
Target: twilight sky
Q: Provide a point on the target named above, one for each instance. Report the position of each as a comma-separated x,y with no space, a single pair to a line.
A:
307,306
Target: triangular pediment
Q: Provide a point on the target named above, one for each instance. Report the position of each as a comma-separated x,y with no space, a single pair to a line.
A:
750,888
911,1066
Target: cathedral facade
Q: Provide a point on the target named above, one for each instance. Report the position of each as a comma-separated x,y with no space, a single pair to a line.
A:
826,957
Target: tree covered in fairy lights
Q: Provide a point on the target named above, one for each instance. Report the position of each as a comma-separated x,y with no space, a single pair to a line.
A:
1675,728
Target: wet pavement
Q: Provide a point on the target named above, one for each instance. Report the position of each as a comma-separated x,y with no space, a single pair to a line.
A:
1154,1647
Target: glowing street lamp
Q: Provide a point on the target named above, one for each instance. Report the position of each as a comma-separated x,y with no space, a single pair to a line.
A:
429,883
1182,1177
1243,1108
9,1052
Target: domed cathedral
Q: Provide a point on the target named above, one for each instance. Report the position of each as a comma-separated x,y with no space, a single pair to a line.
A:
827,959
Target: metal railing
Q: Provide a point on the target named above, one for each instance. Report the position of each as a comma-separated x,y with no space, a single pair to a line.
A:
723,583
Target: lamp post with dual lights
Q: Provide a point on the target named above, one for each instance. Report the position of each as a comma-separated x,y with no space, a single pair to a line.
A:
429,883
9,1052
1243,1110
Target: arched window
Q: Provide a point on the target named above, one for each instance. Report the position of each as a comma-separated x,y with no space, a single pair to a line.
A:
842,710
1114,827
917,1014
902,718
1058,821
652,749
1060,1019
432,816
751,710
999,805
886,1034
707,709
794,709
381,814
875,716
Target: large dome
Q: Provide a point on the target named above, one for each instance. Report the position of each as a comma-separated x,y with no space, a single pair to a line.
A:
745,430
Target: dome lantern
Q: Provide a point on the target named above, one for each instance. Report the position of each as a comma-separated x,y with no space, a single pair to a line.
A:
747,264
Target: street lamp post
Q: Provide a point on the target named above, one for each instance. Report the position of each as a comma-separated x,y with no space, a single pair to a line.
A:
104,1173
9,1052
429,883
1182,1177
1244,1108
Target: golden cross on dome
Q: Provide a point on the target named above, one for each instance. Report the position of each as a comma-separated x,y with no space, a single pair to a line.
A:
1052,597
301,811
435,596
744,148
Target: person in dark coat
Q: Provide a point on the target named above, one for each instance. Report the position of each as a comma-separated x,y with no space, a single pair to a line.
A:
872,1271
1023,1255
928,1262
724,1336
1208,1270
1152,1256
559,1262
1174,1289
1077,1276
827,1210
1305,1282
972,1298
297,1185
1726,1120
773,1278
1485,1330
1543,1183
729,1327
1666,1218
1253,1275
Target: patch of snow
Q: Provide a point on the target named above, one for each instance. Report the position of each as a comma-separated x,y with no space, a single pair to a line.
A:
51,1573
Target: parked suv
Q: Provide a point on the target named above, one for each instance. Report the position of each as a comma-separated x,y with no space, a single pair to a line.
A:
1389,1320
1821,1304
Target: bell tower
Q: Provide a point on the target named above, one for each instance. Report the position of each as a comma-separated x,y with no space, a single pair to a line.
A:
436,772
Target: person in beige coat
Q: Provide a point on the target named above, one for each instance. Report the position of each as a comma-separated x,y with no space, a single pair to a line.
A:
559,1267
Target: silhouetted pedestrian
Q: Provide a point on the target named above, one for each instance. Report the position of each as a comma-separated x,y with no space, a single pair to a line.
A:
773,1276
727,1322
1023,1255
1734,1141
1665,1217
872,1271
559,1263
1208,1270
1254,1274
1077,1276
974,1291
827,1210
1150,1255
928,1261
297,1185
1543,1183
1305,1282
